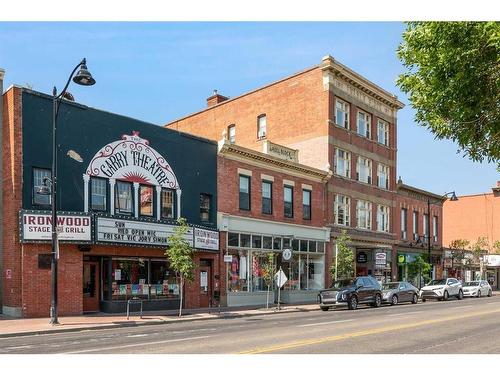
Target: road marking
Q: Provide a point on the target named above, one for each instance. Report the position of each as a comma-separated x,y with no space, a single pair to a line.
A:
407,313
323,323
462,307
19,347
139,335
133,345
374,331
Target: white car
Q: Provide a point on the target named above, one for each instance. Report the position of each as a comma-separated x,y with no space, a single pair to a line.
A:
442,289
477,288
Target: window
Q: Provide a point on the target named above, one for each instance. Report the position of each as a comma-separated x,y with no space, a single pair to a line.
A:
244,192
342,113
404,219
231,130
383,176
342,209
306,204
261,126
364,214
146,200
233,239
167,204
364,124
435,228
426,227
342,163
415,225
383,132
383,218
123,198
267,197
42,186
98,194
364,170
288,199
205,202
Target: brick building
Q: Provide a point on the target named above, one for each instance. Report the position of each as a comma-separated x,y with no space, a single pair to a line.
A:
340,123
121,185
268,203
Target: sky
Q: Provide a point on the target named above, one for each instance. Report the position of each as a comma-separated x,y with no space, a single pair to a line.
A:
161,71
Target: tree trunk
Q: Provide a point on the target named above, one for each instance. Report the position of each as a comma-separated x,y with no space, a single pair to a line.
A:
182,289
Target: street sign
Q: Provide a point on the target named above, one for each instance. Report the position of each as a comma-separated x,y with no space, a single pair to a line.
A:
380,259
228,258
280,278
287,254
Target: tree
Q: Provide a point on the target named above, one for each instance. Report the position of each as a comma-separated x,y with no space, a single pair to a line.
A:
419,268
180,256
496,247
453,82
479,249
345,258
458,251
268,271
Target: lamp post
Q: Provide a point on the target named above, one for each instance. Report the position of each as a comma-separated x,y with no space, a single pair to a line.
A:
84,78
452,198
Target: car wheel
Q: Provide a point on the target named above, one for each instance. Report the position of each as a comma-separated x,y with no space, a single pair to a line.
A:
445,296
352,304
423,300
394,300
415,299
490,293
378,301
324,308
460,294
478,294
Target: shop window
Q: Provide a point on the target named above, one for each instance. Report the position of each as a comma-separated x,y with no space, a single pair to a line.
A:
267,197
233,239
244,197
267,242
306,204
295,245
312,246
287,243
146,200
123,198
129,279
303,245
164,283
244,240
98,194
277,243
42,187
167,203
257,242
205,203
288,201
238,271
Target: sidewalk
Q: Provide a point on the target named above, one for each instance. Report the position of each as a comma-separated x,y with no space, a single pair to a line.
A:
22,327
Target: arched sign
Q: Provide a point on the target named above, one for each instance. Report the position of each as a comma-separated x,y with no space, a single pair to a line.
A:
132,159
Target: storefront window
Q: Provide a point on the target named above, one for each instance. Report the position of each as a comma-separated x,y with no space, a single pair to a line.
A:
303,245
259,259
267,243
256,242
164,283
277,243
233,239
237,271
244,240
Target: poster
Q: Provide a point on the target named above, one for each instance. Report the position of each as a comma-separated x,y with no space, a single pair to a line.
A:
118,275
145,289
174,288
123,290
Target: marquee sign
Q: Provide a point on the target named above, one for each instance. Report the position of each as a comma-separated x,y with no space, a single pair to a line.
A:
37,226
132,159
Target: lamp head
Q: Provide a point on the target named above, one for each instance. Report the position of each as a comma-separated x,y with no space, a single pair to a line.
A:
83,77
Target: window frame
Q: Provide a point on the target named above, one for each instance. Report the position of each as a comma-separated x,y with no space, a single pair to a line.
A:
162,193
386,169
435,228
404,223
358,169
308,191
385,125
346,161
415,225
367,123
345,109
383,212
285,202
141,186
270,198
229,128
248,178
368,218
117,199
209,196
33,193
106,194
259,132
347,209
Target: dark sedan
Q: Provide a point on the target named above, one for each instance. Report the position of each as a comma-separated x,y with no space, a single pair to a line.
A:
396,292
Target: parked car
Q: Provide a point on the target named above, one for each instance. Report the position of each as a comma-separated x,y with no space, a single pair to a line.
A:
351,292
396,292
477,288
442,289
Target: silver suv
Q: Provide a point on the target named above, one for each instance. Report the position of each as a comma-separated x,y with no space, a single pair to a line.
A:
442,289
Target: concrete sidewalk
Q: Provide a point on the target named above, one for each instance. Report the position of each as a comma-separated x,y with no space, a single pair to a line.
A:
34,326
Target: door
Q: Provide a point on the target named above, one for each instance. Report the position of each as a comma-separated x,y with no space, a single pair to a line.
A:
90,286
205,283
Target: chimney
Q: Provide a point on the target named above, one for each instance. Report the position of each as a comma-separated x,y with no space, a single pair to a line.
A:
215,99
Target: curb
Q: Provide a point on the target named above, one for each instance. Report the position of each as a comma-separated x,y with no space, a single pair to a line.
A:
139,323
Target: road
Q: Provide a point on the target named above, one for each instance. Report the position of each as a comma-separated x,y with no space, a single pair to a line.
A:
467,326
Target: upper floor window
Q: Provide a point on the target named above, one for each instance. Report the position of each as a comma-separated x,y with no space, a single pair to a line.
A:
383,176
426,226
205,203
364,214
244,192
342,113
261,126
267,197
167,203
306,204
42,186
98,194
288,201
342,209
383,218
364,170
383,132
404,221
342,163
146,200
435,228
415,225
231,131
364,124
123,198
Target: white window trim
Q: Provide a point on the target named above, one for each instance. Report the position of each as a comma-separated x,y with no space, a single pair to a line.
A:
368,210
367,119
358,165
346,111
386,132
346,161
347,210
383,226
383,168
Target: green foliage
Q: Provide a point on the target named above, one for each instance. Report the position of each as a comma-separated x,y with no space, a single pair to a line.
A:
453,82
419,267
268,270
345,258
496,247
179,252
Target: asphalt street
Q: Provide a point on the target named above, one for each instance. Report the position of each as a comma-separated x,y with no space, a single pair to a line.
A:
450,327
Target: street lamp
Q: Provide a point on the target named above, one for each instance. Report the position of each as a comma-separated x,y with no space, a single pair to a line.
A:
84,78
452,198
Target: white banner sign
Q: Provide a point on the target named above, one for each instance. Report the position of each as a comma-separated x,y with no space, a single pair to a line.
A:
206,239
492,260
38,227
380,259
135,232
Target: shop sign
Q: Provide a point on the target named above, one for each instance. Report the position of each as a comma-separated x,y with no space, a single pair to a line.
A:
281,152
380,259
287,254
206,239
135,232
361,257
36,226
401,259
228,258
492,260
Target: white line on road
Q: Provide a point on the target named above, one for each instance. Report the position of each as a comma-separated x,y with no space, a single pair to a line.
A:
407,313
133,345
139,335
462,307
323,323
19,347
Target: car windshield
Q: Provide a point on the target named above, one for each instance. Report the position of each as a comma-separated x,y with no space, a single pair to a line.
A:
342,283
472,283
388,286
438,282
